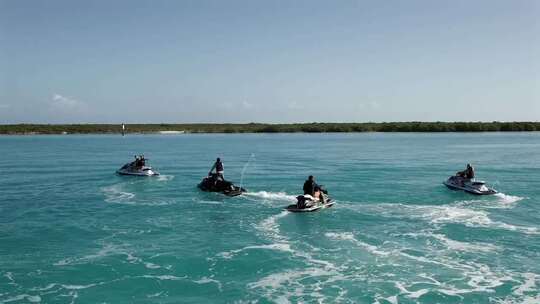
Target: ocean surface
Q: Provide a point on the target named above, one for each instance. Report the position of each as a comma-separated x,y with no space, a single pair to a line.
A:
72,231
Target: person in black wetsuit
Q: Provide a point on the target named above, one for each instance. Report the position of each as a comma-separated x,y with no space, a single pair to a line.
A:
310,185
137,162
218,165
467,173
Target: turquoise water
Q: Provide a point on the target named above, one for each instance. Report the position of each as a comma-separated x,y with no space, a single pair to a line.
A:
71,231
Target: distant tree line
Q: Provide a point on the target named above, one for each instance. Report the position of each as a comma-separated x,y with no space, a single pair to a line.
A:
273,128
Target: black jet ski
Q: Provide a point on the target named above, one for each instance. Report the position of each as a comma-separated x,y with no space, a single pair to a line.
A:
213,183
137,167
468,185
308,203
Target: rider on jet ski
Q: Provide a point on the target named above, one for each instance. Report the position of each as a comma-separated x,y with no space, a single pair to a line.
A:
465,180
311,188
140,161
309,185
467,173
215,182
218,176
218,165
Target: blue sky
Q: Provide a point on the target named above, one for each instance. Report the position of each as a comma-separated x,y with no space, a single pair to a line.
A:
268,61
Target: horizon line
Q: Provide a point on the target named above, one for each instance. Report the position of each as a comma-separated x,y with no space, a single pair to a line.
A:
262,123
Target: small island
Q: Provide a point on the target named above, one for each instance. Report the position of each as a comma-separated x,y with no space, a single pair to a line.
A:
165,128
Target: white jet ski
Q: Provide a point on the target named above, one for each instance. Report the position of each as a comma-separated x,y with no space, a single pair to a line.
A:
468,185
137,168
307,203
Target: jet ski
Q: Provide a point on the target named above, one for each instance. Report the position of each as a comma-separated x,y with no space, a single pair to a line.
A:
308,203
468,185
213,183
138,168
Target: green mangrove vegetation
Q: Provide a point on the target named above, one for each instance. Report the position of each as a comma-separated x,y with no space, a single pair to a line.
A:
271,128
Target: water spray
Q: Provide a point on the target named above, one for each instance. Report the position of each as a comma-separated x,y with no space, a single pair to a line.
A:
252,157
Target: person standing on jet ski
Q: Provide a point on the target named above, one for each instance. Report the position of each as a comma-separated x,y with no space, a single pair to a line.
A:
218,165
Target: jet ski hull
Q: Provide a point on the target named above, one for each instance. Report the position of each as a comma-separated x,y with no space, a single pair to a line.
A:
316,207
128,169
307,203
235,192
209,184
476,188
232,192
135,173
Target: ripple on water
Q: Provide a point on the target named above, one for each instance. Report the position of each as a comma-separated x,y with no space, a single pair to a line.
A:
27,297
116,194
307,281
164,177
463,276
271,196
439,214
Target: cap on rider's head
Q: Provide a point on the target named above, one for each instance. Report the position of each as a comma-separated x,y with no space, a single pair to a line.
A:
218,159
468,165
310,177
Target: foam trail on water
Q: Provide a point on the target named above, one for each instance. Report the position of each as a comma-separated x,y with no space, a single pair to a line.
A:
527,286
279,196
463,246
270,227
114,194
164,177
164,277
284,247
29,298
508,199
210,202
206,280
348,236
441,214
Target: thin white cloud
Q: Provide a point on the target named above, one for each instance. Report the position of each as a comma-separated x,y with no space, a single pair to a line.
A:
246,105
67,109
66,103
